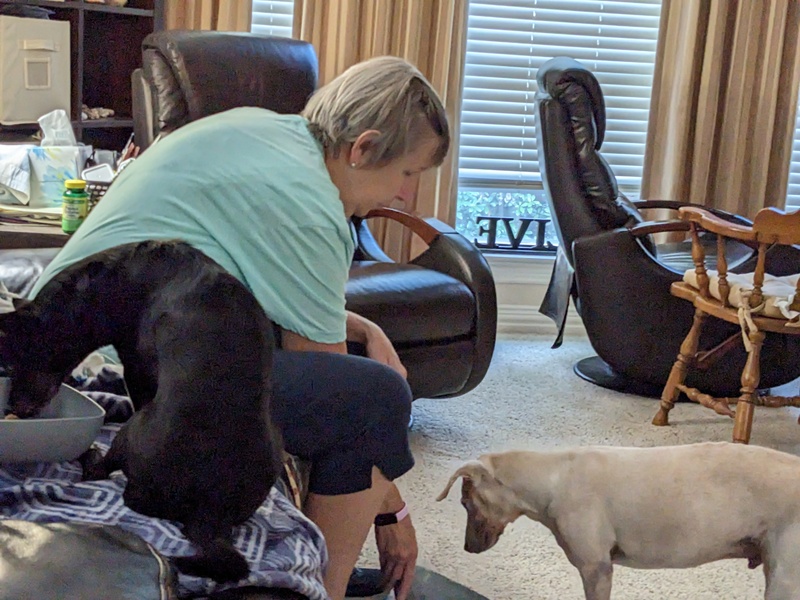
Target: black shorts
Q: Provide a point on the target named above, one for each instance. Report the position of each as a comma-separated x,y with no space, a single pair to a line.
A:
345,414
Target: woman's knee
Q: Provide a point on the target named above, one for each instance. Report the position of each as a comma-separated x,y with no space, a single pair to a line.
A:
389,392
324,401
372,433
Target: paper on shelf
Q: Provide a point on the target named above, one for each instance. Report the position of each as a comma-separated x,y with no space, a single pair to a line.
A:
15,174
32,177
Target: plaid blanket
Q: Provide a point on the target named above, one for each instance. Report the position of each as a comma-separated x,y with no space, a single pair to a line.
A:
284,548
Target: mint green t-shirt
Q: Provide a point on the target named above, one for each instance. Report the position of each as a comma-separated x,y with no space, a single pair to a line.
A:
249,188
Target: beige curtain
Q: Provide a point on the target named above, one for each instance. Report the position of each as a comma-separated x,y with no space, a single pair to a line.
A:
215,15
723,103
430,34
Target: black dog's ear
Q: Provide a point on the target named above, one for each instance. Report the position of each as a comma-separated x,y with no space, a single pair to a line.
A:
6,321
13,322
20,303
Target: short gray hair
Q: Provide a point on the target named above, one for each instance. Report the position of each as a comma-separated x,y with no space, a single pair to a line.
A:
386,94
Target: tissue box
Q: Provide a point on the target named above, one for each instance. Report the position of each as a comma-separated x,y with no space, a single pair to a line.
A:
34,68
51,166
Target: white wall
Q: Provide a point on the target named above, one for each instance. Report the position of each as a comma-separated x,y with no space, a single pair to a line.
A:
521,282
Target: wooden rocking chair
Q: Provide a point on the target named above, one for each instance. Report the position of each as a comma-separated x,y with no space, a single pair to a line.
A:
757,301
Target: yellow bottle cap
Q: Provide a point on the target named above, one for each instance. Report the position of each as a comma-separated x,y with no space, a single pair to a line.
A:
75,184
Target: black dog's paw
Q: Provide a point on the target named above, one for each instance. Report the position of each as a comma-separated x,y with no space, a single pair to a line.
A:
93,465
219,561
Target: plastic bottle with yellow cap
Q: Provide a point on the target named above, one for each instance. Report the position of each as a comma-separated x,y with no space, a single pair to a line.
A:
75,205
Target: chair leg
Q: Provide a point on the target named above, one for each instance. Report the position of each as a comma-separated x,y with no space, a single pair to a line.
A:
751,375
686,358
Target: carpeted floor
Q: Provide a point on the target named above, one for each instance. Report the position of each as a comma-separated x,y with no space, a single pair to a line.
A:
531,399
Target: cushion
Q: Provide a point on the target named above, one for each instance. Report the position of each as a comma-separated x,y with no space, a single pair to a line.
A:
780,300
81,559
20,268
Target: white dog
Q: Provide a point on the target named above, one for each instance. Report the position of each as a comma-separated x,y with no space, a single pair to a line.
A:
648,508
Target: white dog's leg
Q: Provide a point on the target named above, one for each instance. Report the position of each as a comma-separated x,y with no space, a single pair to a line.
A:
782,584
781,557
597,580
587,545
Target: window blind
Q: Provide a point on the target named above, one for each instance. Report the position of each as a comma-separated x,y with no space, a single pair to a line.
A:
508,40
793,190
273,17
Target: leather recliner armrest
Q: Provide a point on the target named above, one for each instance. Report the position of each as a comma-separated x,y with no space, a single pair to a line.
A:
676,204
450,253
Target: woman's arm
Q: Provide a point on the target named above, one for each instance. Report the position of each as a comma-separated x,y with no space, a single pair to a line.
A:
397,546
296,342
378,346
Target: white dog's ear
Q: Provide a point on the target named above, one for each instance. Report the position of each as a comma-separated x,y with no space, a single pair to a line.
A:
474,470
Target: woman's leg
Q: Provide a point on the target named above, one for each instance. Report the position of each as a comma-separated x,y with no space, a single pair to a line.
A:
349,416
345,521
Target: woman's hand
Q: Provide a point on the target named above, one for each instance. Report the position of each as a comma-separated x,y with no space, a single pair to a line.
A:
378,345
397,548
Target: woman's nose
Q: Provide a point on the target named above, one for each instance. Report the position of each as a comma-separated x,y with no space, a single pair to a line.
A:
408,190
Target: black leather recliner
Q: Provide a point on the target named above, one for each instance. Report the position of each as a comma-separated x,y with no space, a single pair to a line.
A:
439,310
610,265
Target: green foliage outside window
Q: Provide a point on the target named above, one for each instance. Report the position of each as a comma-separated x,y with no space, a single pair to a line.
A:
502,203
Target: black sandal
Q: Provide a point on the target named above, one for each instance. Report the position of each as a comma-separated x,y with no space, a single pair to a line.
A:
365,583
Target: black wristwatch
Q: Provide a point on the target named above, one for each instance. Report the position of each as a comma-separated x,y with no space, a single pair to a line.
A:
392,518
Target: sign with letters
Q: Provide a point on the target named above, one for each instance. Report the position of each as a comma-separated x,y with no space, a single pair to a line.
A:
514,236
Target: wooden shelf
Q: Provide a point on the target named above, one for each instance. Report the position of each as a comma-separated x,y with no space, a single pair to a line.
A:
105,48
106,123
87,6
87,124
20,127
117,10
43,3
24,235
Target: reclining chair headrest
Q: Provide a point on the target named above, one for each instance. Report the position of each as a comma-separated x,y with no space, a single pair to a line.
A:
581,185
194,74
565,79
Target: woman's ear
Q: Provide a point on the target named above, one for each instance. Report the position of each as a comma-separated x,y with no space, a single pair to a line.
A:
359,151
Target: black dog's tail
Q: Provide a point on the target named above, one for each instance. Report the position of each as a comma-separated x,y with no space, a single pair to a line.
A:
218,560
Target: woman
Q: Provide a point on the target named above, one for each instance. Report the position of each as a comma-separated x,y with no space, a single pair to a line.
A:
269,198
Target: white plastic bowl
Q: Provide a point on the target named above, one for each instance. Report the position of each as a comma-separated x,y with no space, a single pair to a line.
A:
63,431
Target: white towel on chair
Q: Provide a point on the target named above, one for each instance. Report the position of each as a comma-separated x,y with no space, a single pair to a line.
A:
778,292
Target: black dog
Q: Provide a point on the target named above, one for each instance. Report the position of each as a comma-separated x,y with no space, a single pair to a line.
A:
196,348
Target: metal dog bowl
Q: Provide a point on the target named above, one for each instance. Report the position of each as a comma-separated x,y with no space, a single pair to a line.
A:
63,431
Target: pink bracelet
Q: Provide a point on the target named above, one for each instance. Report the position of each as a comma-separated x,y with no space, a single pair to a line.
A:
392,518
